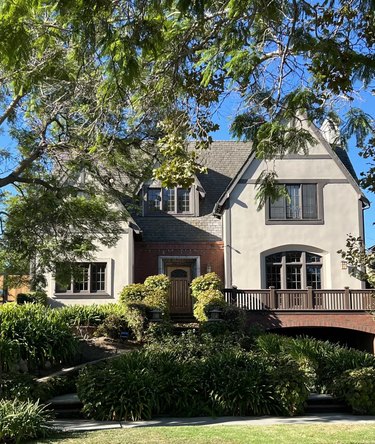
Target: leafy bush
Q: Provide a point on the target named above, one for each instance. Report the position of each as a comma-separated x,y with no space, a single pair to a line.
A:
234,318
112,326
165,381
209,281
33,297
158,282
157,331
9,352
357,389
322,361
121,389
207,301
88,315
23,420
137,320
41,336
133,294
22,387
157,300
140,299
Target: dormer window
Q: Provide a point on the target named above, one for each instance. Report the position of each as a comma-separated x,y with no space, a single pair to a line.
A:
168,200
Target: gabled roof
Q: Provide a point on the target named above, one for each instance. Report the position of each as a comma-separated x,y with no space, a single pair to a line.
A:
223,160
339,156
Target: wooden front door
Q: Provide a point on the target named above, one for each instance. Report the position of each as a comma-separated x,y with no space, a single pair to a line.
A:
179,295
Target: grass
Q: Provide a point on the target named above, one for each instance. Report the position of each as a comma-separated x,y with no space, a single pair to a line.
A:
275,434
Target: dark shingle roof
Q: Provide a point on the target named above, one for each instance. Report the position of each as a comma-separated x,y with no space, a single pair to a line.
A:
223,160
342,154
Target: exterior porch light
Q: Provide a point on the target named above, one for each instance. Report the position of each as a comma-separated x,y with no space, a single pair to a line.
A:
214,314
156,315
209,268
344,265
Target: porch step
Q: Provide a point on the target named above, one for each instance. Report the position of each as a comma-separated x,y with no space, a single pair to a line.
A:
324,403
183,318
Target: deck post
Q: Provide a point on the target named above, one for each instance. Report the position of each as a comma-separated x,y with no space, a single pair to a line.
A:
346,298
309,295
273,304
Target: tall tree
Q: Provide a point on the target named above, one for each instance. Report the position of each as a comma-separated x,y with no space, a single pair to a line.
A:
110,87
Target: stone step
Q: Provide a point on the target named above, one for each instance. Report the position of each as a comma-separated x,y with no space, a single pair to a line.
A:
325,403
66,406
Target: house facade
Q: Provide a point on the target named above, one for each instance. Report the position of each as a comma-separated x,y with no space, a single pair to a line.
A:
215,226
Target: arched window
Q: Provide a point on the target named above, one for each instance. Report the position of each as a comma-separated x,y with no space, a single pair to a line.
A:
294,270
178,273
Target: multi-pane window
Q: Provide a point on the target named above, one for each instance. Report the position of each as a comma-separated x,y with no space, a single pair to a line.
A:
86,278
168,200
301,204
294,270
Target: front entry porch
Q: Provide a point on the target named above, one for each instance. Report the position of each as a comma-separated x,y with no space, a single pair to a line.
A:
181,271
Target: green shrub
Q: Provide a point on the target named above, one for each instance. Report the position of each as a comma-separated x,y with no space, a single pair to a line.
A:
41,336
322,361
9,352
234,318
137,320
141,384
209,281
33,297
158,282
357,389
157,300
193,345
23,420
22,387
157,331
88,315
133,294
120,389
207,301
112,326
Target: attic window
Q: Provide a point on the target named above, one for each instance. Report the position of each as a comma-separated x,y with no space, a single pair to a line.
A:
168,200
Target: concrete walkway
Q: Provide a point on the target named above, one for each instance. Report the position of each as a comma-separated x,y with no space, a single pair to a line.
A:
324,418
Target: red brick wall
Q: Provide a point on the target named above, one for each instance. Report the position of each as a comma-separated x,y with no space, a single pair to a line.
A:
360,321
146,256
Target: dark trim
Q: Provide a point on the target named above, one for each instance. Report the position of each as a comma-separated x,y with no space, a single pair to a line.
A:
318,221
228,274
304,157
282,181
82,296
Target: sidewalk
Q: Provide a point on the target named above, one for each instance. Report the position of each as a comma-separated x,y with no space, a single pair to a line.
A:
324,418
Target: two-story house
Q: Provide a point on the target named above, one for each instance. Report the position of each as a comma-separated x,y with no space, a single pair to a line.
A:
215,226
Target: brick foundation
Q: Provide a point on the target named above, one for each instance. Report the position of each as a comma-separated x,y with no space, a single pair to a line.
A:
359,321
147,254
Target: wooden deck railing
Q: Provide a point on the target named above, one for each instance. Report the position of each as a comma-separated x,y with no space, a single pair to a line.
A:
309,299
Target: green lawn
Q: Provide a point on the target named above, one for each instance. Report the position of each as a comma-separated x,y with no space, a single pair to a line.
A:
278,434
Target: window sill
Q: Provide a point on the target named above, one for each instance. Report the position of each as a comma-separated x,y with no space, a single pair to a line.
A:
294,222
82,296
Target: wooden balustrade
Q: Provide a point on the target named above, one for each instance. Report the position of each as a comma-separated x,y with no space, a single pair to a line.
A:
298,300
